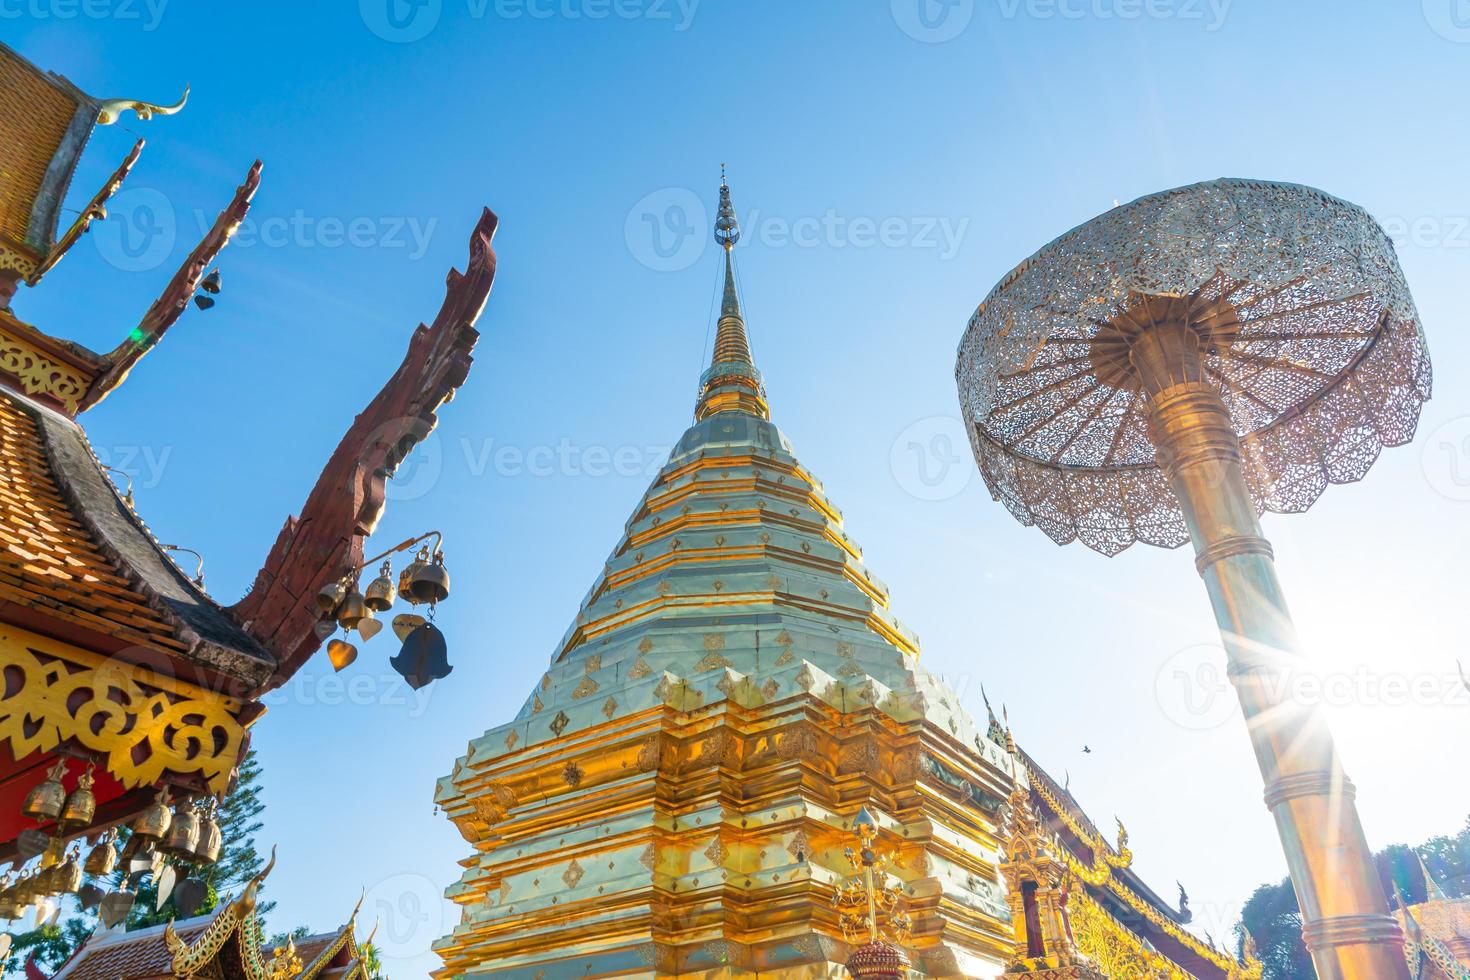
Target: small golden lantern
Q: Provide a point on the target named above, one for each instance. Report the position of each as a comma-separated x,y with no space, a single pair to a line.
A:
81,804
45,800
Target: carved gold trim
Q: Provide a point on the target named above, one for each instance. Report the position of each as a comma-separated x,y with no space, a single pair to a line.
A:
122,711
1115,950
39,374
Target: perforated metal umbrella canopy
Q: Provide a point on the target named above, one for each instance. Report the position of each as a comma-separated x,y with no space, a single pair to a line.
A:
1305,322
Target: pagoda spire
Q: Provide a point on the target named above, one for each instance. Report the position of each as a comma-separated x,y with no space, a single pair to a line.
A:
732,383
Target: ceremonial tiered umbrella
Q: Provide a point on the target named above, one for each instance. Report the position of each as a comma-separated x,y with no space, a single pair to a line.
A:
1168,371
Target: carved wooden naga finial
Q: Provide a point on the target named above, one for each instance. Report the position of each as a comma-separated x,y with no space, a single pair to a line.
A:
174,299
326,540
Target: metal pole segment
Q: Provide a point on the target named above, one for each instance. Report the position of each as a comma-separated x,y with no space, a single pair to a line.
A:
1346,923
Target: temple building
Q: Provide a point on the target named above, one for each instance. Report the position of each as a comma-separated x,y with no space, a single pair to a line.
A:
228,942
129,691
676,797
1436,933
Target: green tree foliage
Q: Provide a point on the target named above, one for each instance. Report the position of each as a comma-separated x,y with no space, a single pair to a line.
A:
1274,920
51,945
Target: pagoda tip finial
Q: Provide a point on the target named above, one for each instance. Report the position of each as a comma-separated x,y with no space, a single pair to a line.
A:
727,229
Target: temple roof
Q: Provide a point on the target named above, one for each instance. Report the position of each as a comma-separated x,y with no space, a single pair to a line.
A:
119,955
74,550
45,123
224,943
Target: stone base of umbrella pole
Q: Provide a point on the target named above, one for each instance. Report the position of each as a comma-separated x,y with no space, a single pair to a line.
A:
878,960
1346,923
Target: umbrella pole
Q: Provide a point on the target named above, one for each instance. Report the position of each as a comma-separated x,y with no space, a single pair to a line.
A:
1346,923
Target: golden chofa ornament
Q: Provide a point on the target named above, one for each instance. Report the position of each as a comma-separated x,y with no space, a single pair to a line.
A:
46,798
81,804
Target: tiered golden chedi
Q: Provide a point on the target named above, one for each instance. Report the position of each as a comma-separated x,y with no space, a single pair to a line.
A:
676,795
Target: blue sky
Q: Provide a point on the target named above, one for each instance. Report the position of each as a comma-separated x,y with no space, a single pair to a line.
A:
890,163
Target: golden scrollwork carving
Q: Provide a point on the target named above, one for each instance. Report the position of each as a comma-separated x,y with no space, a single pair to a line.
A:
39,374
144,723
1116,951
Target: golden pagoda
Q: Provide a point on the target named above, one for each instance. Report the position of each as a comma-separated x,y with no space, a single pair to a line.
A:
677,795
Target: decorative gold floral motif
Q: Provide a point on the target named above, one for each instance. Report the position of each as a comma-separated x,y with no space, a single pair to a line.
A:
711,661
144,724
586,688
650,753
799,743
714,641
640,669
573,874
39,375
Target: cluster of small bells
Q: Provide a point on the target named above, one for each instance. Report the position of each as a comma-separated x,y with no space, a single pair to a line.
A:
166,842
424,657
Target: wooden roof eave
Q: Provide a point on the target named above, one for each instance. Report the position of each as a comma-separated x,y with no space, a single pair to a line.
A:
214,642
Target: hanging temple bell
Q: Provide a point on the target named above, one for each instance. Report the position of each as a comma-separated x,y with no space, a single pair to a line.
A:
211,839
183,834
379,594
424,579
45,800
